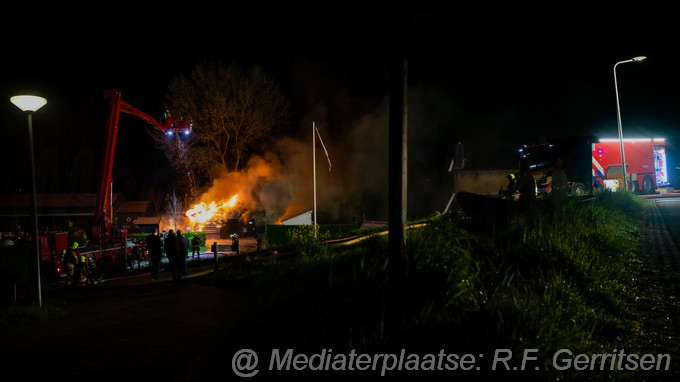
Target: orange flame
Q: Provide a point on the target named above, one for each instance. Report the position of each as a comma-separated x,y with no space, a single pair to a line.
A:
202,212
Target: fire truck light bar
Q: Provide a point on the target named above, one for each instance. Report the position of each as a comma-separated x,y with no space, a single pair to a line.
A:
633,139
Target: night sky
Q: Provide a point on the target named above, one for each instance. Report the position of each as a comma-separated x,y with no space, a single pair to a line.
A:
492,81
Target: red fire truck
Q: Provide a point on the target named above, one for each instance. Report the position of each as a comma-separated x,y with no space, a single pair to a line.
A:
101,243
103,214
592,163
645,159
52,248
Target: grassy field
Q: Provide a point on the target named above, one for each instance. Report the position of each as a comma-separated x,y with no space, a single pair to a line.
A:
556,277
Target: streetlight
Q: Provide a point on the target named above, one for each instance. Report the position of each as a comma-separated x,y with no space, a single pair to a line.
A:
29,104
618,117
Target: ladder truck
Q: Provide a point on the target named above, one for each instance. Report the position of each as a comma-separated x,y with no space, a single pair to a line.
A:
103,214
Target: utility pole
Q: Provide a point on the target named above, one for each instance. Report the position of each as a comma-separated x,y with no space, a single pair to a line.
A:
398,144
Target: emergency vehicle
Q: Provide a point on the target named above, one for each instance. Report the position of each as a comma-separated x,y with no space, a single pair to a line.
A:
591,163
102,244
645,160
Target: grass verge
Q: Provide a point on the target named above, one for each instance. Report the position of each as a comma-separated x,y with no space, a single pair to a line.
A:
557,277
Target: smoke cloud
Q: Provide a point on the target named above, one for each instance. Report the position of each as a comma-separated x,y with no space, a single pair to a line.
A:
280,183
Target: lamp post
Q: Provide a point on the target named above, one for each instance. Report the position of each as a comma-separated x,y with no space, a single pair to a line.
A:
30,104
618,117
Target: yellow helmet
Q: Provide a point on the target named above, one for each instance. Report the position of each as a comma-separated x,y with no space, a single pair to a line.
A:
75,245
511,176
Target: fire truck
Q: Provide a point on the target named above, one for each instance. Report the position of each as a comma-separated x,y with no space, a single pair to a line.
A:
591,163
645,161
103,215
102,244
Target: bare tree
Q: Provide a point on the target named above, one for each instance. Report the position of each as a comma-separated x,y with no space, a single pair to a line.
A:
175,209
234,110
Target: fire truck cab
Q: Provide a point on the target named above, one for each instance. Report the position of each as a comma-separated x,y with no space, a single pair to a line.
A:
541,160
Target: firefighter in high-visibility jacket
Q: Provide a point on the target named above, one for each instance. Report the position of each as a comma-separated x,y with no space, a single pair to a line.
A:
511,192
84,270
71,262
80,268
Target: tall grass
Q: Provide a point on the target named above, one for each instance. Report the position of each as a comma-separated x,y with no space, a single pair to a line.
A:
556,277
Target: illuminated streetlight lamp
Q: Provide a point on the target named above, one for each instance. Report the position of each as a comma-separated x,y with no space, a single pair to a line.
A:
618,117
30,104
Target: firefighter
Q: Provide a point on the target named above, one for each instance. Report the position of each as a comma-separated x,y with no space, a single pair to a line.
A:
196,246
82,273
91,270
234,244
70,262
511,192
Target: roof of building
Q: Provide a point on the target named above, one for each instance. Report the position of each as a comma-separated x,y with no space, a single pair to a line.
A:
302,219
148,220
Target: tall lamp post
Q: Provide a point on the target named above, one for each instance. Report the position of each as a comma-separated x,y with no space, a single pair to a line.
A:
618,117
30,104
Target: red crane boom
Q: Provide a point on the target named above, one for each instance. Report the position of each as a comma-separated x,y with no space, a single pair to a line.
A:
103,215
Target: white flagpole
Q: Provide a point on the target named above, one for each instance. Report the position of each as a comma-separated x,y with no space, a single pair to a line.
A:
314,170
324,149
315,132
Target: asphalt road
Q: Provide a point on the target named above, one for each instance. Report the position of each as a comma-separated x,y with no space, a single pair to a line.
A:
658,290
125,328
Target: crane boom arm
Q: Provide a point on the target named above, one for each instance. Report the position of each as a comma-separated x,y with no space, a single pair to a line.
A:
103,213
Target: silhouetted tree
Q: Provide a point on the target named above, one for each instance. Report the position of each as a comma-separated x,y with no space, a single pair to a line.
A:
175,209
234,110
